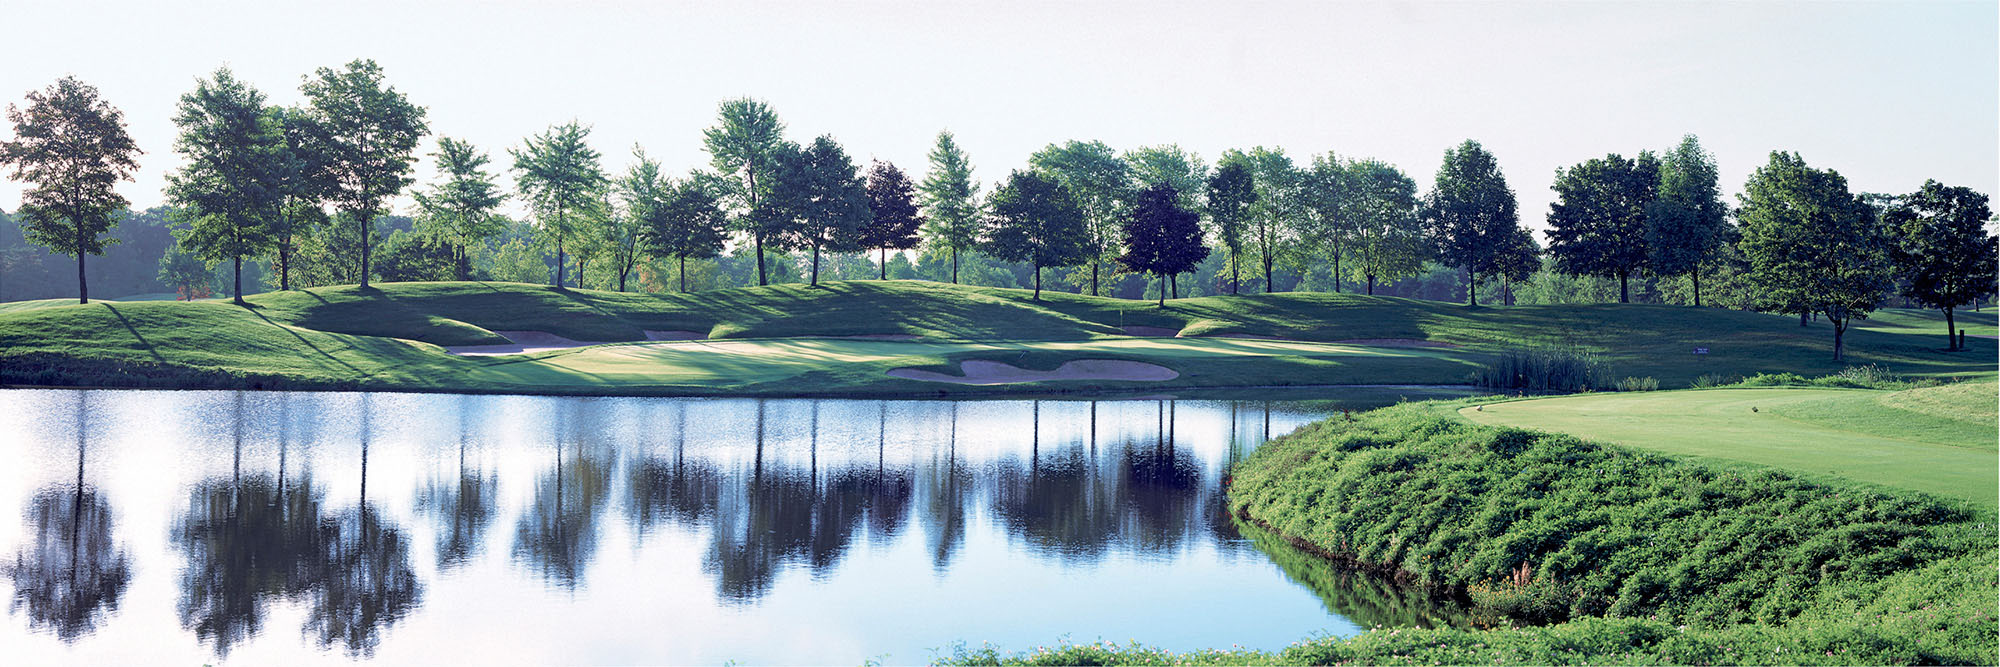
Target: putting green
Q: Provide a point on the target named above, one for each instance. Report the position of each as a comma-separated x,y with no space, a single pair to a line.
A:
1864,435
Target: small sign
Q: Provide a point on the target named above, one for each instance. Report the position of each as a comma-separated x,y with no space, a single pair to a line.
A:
1701,350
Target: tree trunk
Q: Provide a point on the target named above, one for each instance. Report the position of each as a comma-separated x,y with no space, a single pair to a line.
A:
1624,295
954,266
1696,275
579,272
1232,271
239,280
1174,281
364,250
1038,282
622,274
1471,289
1371,284
885,265
1839,329
562,263
1950,330
1267,272
815,271
1803,318
1093,277
285,265
1163,290
82,286
1336,272
759,239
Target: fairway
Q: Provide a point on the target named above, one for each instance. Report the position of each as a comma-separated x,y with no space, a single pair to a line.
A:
1894,439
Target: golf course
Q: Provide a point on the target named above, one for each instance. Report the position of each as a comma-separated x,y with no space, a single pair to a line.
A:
887,338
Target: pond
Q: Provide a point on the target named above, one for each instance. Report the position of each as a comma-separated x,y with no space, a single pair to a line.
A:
276,528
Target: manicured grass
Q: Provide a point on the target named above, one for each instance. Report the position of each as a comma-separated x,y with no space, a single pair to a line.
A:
1925,322
1865,435
346,337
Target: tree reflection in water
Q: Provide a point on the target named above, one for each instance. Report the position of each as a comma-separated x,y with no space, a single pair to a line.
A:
558,534
368,584
676,490
72,571
463,506
948,490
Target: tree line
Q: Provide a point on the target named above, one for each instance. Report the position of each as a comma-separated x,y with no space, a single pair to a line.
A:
302,189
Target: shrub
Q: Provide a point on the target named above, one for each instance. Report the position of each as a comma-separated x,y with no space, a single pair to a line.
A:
1638,384
1710,380
1543,369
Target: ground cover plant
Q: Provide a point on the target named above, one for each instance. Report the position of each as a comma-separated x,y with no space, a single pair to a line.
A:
1605,554
386,337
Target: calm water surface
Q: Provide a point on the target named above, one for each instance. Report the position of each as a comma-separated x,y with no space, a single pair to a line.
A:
277,528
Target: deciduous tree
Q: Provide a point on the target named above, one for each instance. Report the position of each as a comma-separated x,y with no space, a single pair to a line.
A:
1686,224
368,133
1940,244
463,205
1470,214
1597,225
1232,192
1327,227
894,222
557,172
73,148
950,201
1388,234
1280,204
230,191
823,199
1101,185
307,185
1814,247
745,145
1161,237
688,223
1035,220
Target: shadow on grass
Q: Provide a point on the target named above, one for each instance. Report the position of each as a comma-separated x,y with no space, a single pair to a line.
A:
307,343
135,333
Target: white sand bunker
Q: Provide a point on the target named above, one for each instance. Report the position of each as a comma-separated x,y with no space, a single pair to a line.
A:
994,372
525,342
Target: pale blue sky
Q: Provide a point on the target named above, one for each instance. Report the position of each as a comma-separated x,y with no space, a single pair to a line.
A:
1889,94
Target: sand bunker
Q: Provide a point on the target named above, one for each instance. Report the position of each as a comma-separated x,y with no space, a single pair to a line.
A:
1150,332
525,342
993,372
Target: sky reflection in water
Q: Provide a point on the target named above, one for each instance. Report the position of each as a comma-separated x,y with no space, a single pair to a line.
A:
286,527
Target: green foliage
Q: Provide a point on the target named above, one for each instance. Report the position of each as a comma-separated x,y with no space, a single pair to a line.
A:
1388,234
1280,205
1101,186
73,147
463,206
409,256
1941,247
1172,165
189,276
558,173
1232,192
1597,226
686,223
366,133
1470,213
950,201
1813,246
1558,369
745,146
1035,220
1687,223
823,200
231,189
1638,384
893,221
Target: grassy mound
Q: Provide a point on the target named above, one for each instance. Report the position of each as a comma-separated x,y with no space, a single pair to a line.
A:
1629,557
348,337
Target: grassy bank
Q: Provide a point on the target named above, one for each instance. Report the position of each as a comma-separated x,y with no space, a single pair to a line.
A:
1612,555
791,340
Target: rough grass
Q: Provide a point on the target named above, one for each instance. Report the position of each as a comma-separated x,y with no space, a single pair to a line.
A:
1627,557
382,338
1853,434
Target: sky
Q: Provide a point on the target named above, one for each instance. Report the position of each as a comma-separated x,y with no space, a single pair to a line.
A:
1888,94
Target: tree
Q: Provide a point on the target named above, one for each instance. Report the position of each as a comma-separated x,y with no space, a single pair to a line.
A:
641,189
1279,205
1035,220
950,201
1388,236
688,222
1941,246
1597,225
1169,164
462,206
231,189
368,132
1161,237
1232,192
73,147
1469,214
186,274
1687,223
1099,182
822,199
1813,246
894,222
557,172
746,145
306,183
1517,261
1327,225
